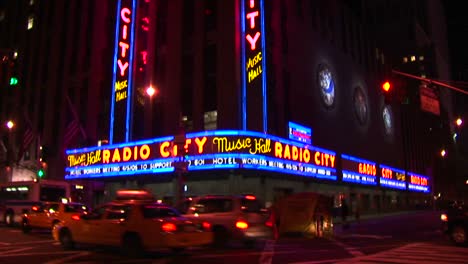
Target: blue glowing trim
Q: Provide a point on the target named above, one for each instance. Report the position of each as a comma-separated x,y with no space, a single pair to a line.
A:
391,168
121,145
393,184
102,166
350,176
344,156
418,188
114,72
264,81
307,168
125,173
130,73
120,172
244,85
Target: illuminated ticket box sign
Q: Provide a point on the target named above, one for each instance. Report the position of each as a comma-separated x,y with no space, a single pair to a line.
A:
207,150
253,64
357,170
300,133
392,177
418,183
122,72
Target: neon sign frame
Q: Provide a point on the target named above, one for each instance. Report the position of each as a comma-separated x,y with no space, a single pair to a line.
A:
243,19
131,48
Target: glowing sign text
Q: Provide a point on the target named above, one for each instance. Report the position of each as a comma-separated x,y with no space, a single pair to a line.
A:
391,177
358,170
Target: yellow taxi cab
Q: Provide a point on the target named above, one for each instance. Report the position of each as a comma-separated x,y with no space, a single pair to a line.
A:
135,226
46,215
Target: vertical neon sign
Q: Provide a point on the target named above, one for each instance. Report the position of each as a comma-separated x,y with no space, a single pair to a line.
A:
253,61
120,119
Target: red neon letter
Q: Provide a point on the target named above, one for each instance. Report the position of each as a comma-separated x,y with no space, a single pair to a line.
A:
252,3
124,15
252,41
122,67
252,16
124,46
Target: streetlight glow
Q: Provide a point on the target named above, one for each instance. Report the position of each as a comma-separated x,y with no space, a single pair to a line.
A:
150,91
10,124
459,122
443,153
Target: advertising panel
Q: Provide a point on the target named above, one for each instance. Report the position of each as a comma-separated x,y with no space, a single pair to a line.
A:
300,133
357,170
418,182
392,177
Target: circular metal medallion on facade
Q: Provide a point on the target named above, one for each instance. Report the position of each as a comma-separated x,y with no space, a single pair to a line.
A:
360,105
327,85
387,119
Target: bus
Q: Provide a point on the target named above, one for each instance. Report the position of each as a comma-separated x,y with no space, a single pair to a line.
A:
16,198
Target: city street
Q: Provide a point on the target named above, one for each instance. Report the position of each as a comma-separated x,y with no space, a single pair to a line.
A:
404,238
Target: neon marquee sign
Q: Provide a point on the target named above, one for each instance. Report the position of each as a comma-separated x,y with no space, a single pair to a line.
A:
418,183
207,150
392,178
358,170
253,65
122,72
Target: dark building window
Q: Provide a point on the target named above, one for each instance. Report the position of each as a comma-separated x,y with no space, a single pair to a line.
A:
210,14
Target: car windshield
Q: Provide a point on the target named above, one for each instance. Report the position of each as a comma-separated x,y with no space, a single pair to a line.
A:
251,206
75,208
212,205
157,211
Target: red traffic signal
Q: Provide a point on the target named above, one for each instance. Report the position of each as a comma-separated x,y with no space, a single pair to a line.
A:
386,86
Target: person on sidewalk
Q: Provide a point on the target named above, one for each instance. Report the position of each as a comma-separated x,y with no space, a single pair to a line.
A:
344,213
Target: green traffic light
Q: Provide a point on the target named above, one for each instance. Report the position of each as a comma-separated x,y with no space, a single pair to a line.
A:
40,173
13,81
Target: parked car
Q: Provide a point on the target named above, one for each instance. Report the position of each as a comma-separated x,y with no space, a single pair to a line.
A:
455,224
234,217
48,214
134,225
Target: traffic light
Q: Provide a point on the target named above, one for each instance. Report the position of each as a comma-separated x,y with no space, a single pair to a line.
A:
13,81
40,173
387,89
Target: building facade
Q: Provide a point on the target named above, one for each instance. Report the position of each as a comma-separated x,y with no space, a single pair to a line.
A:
268,97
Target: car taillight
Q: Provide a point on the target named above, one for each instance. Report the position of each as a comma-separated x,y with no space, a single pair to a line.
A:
206,226
169,227
75,217
242,225
444,217
269,222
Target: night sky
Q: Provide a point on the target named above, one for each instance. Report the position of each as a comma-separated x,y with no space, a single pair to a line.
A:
457,31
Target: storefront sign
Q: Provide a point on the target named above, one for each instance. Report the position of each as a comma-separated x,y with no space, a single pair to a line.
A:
418,183
392,178
207,150
122,72
357,170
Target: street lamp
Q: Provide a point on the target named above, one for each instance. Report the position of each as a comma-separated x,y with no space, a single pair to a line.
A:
150,91
10,124
443,153
459,121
